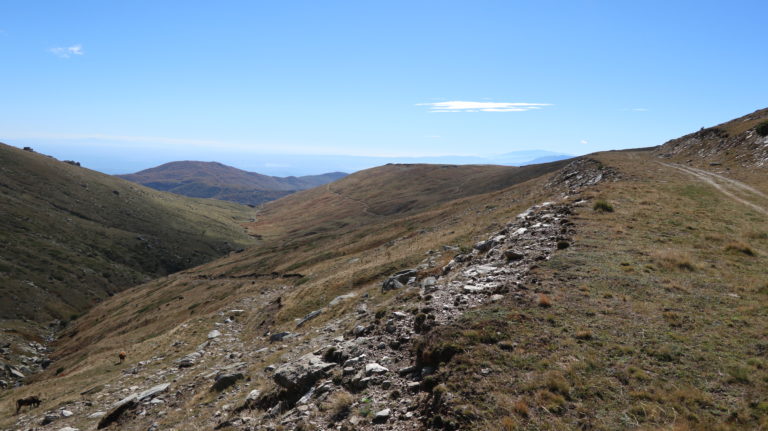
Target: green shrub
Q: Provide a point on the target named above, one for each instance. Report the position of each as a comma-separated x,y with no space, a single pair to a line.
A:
762,128
603,206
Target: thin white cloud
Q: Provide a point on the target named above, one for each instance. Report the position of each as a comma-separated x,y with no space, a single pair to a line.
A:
464,106
637,109
583,142
66,52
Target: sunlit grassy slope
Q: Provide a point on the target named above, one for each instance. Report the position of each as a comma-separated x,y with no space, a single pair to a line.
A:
657,319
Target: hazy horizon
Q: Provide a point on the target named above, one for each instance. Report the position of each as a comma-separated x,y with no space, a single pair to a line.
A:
116,81
104,160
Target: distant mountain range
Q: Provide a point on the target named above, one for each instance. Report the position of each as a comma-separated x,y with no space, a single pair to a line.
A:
219,181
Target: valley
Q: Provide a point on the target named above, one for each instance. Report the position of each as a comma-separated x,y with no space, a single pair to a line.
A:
620,290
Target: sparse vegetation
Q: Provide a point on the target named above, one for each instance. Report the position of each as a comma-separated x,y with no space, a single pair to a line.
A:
544,301
762,128
674,260
602,206
339,405
739,247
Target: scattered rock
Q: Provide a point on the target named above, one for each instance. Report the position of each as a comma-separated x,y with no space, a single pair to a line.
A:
300,375
280,336
151,392
513,255
486,245
381,416
117,410
214,334
473,289
226,380
374,368
308,317
189,360
398,280
341,298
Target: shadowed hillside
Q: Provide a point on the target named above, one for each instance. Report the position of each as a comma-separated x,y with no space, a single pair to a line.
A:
218,181
72,237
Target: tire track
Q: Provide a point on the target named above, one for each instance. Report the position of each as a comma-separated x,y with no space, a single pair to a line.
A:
725,185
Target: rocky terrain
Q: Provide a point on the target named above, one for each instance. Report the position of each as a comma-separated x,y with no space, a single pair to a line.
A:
628,295
363,370
735,142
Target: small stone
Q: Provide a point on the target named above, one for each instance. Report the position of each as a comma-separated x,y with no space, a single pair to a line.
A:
381,416
280,336
66,413
473,289
214,334
496,297
513,255
374,368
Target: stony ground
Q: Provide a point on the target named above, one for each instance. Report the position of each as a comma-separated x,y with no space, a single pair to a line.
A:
363,370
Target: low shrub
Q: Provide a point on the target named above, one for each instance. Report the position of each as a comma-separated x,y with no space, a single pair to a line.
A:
602,206
762,128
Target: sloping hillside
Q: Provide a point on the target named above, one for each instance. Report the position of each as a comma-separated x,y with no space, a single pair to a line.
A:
385,193
734,143
219,181
72,237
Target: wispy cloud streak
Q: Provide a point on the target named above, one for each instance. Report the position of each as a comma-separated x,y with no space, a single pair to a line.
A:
464,106
68,51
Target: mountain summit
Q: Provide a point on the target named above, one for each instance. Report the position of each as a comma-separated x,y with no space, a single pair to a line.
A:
219,181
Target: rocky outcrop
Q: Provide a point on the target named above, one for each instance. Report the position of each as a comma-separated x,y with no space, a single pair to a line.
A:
300,375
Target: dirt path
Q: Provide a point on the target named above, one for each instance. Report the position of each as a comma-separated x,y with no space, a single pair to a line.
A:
735,190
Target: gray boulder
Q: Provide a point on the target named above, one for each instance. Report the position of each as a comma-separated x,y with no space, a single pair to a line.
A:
117,410
398,280
224,381
300,375
189,360
308,317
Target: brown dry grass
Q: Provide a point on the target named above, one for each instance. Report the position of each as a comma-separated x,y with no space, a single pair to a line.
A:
675,322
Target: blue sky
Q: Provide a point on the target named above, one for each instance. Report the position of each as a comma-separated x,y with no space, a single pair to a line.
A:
120,85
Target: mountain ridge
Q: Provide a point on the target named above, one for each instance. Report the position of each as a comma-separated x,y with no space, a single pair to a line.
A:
219,181
620,289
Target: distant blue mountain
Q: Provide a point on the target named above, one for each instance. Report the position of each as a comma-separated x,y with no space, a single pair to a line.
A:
112,160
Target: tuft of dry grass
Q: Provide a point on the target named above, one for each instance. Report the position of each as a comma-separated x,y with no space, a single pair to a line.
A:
739,247
339,405
544,301
520,407
674,260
